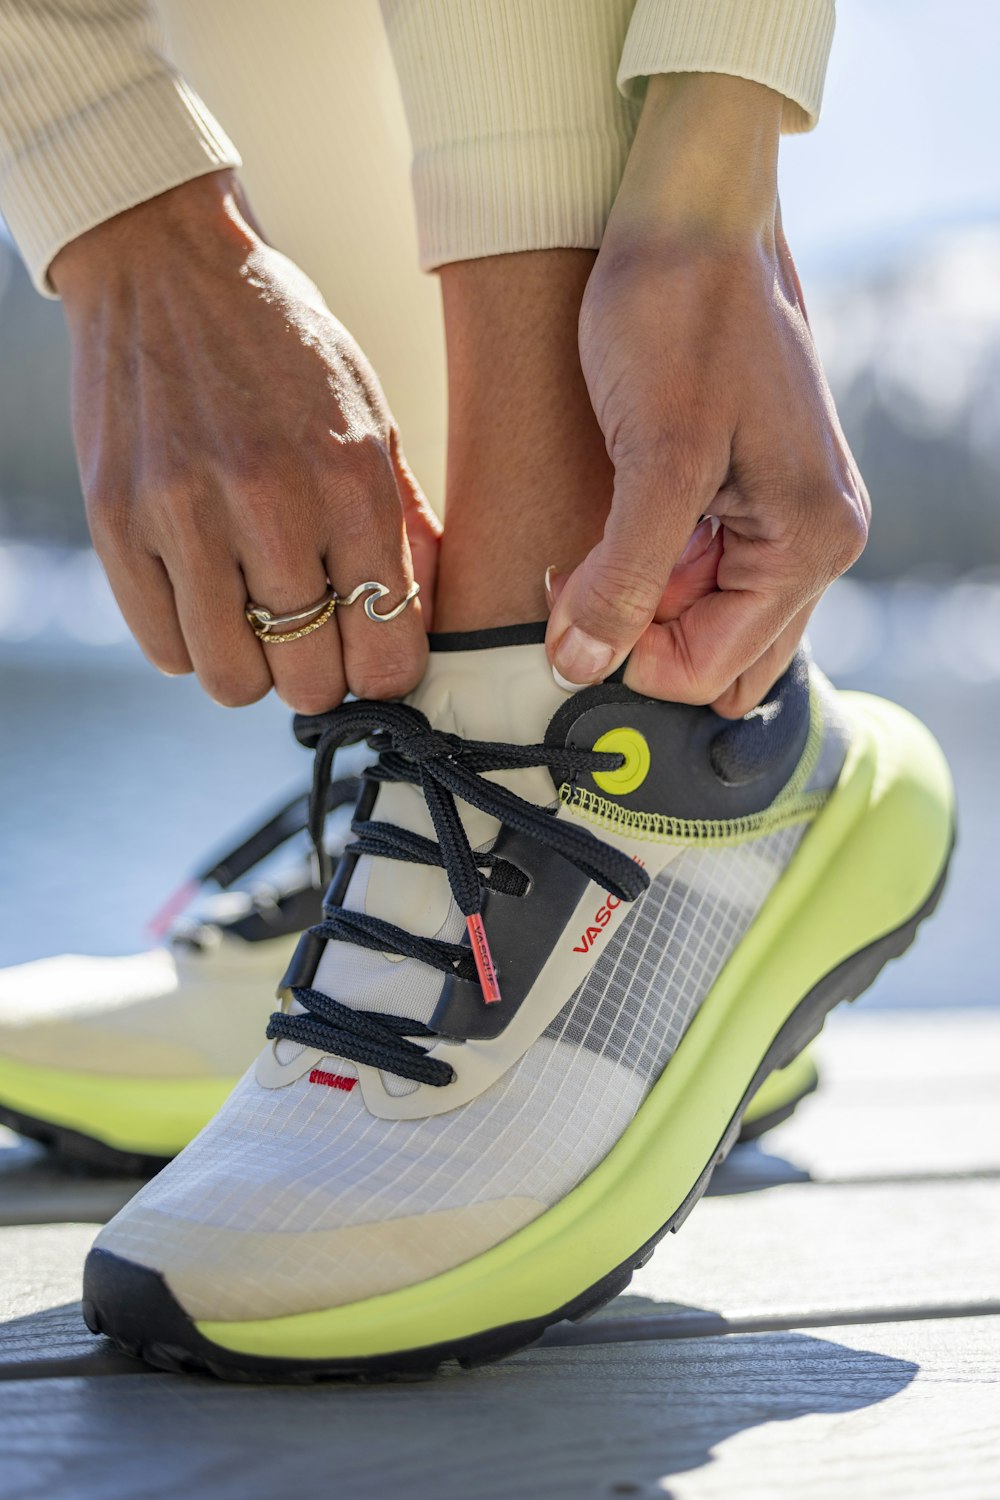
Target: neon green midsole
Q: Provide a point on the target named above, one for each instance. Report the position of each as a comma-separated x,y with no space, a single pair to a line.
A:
147,1116
867,866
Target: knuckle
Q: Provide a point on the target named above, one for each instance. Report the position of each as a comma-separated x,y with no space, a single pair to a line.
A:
833,527
671,453
850,535
365,497
709,688
736,701
275,525
281,557
624,593
178,498
368,467
704,684
112,521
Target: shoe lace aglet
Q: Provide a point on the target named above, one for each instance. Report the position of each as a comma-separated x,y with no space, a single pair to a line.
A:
484,959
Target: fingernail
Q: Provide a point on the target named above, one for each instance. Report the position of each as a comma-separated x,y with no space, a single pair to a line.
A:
699,541
566,685
580,660
555,582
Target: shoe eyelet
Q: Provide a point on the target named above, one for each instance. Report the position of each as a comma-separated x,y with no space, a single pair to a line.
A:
630,775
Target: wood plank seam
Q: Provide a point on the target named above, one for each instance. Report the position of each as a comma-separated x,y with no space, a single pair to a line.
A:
698,1324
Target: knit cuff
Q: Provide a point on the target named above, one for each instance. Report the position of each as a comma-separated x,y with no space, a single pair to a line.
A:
120,151
520,135
784,44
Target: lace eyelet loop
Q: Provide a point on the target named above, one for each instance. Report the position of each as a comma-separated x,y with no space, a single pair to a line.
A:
632,747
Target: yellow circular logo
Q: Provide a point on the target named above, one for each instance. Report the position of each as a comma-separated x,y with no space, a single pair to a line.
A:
633,770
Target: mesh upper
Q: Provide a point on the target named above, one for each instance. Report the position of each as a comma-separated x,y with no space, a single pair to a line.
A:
297,1198
260,1215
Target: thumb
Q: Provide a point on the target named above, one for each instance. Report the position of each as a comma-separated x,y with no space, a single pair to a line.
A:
693,577
600,610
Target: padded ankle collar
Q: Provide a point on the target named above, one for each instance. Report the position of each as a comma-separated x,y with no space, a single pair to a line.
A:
486,640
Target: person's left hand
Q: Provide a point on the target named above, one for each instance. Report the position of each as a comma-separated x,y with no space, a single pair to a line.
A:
703,375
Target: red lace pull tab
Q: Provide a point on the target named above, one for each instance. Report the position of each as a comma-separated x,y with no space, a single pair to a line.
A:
161,922
484,958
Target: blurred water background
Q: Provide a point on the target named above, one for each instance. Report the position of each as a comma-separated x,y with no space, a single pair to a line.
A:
114,781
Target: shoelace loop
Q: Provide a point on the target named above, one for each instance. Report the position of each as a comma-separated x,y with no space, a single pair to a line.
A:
445,766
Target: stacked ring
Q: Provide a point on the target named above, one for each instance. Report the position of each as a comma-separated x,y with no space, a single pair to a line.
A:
263,623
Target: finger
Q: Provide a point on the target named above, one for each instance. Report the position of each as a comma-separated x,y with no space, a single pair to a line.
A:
697,656
210,596
141,586
382,658
612,596
752,686
308,673
696,572
423,529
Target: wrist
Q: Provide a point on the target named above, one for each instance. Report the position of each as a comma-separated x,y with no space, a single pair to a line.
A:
207,210
703,165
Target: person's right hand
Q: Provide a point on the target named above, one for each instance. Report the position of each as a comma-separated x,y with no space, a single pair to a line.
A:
234,444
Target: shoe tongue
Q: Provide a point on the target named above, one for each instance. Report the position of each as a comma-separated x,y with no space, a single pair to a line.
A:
487,685
484,685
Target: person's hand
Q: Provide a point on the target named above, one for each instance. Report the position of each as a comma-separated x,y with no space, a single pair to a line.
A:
703,375
234,444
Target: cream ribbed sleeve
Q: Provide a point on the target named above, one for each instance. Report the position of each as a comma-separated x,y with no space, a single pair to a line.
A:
782,43
521,112
520,134
93,120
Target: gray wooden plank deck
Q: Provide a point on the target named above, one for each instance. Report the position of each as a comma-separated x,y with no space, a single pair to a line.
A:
899,1410
828,1322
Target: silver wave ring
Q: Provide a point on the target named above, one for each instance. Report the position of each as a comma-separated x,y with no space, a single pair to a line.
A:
376,591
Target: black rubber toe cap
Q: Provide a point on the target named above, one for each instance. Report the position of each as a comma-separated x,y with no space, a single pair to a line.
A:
133,1306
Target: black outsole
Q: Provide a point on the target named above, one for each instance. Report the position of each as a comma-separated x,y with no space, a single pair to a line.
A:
134,1307
80,1150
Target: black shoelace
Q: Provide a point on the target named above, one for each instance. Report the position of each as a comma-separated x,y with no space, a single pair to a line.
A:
444,766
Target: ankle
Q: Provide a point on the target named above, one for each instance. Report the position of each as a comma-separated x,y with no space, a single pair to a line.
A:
529,479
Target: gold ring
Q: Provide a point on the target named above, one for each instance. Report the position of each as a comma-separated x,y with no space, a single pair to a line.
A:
263,623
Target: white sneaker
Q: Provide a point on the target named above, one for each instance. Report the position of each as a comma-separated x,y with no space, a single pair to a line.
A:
511,1054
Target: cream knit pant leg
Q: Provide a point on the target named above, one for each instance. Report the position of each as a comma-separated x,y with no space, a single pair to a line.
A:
308,92
520,133
522,112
